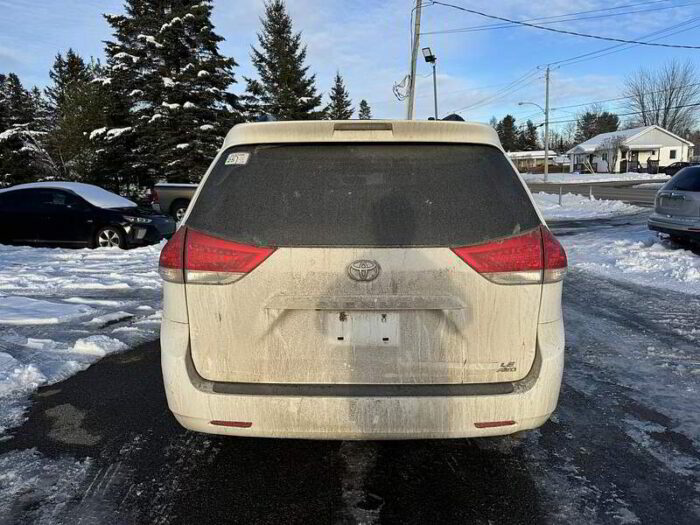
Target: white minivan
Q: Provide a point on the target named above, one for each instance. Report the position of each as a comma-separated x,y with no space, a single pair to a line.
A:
362,280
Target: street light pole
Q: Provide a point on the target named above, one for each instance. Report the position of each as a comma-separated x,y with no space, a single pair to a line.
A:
435,89
546,125
414,58
432,59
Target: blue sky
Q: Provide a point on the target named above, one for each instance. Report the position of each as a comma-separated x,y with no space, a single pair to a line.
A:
369,42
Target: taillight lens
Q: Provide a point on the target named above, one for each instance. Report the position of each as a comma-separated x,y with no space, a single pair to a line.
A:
524,259
555,262
171,262
208,260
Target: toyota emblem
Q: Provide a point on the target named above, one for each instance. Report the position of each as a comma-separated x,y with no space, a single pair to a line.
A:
363,270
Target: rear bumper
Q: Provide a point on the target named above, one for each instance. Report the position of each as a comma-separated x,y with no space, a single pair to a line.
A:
367,416
688,227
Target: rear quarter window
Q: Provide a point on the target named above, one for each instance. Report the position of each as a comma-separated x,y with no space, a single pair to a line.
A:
688,179
377,194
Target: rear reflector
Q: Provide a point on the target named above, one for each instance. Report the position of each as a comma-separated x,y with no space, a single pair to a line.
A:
208,260
530,258
235,424
492,424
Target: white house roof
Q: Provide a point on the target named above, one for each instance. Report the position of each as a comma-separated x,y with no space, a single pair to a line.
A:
93,194
627,135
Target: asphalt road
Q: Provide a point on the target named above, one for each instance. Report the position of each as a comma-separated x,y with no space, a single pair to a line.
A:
622,191
621,448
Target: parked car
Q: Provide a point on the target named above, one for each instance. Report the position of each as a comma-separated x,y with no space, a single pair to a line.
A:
362,280
173,198
677,206
674,168
75,214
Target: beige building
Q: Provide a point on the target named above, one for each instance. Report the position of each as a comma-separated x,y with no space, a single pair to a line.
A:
647,149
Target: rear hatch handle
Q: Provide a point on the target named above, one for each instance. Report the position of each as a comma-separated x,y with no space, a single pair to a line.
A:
364,302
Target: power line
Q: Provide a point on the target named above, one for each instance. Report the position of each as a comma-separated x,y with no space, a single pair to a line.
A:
562,18
695,104
591,55
624,98
512,87
562,31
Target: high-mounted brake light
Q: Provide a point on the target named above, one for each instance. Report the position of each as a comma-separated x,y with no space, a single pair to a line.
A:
195,257
525,259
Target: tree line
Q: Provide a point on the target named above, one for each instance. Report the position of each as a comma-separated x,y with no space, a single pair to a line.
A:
160,105
668,97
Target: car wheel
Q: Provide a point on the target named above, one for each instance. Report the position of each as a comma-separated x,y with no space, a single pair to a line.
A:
179,210
110,237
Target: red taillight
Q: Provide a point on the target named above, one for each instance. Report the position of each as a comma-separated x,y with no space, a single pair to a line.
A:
523,259
153,196
516,260
208,260
555,262
172,258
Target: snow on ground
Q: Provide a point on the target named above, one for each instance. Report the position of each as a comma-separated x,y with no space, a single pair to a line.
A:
578,178
631,252
580,207
61,310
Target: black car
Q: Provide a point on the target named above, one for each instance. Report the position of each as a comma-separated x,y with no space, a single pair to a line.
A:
674,168
76,214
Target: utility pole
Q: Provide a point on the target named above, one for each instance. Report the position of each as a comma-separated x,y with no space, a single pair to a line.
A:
414,58
546,124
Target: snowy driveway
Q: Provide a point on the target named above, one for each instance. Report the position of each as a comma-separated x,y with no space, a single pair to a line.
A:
623,446
61,310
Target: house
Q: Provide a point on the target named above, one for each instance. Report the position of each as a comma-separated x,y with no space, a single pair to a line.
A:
638,149
528,161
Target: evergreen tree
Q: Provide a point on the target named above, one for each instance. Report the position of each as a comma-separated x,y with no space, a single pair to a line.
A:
340,107
23,157
76,107
507,133
365,112
528,140
66,73
169,106
593,122
284,88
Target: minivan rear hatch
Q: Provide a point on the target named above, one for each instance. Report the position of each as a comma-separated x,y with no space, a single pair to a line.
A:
363,263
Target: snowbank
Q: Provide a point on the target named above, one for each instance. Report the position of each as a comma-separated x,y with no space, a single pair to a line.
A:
633,253
582,178
18,310
580,207
56,319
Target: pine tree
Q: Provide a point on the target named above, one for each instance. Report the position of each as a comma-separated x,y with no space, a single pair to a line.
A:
192,109
507,133
169,107
365,112
23,157
340,107
284,88
528,140
76,107
593,122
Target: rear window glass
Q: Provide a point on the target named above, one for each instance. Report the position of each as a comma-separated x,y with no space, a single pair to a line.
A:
363,195
688,179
